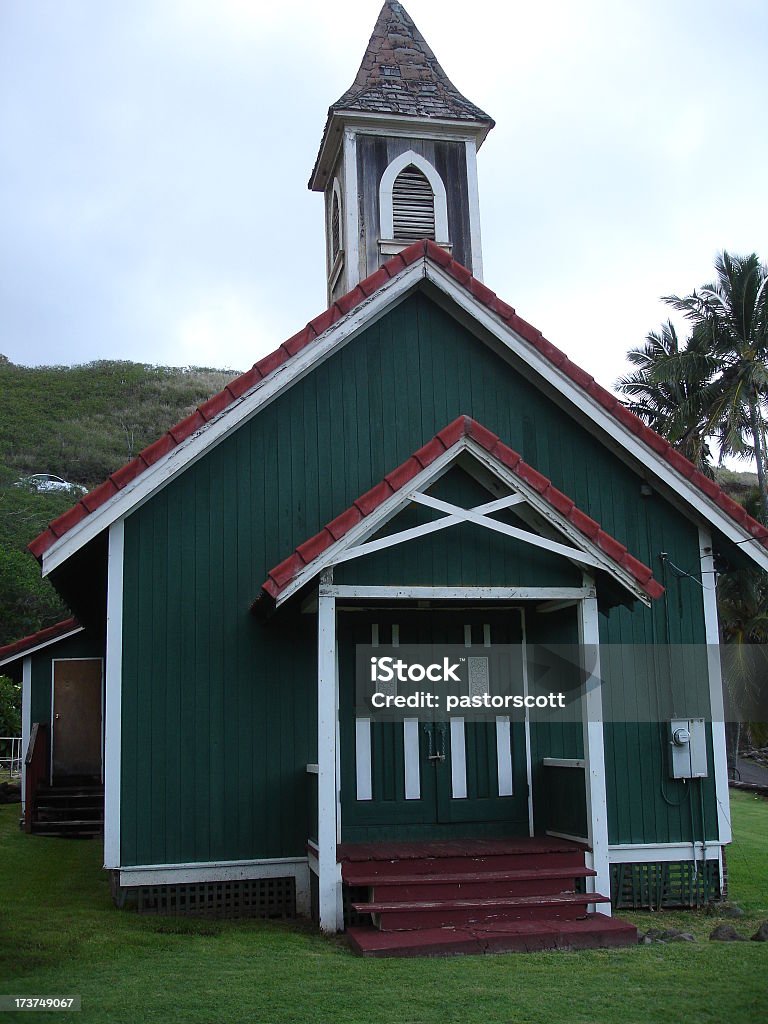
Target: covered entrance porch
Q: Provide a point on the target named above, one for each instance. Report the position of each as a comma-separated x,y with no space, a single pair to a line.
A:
445,787
462,544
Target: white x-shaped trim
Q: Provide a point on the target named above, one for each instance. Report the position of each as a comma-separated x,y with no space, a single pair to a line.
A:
456,514
480,516
474,516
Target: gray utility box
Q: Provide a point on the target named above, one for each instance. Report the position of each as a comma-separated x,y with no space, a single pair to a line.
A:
688,748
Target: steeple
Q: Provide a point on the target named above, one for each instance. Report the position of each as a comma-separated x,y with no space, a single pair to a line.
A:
397,159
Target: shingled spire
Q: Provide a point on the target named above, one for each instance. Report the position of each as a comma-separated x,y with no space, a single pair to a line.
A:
400,74
397,161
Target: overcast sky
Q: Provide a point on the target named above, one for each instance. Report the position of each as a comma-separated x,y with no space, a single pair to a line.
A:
154,156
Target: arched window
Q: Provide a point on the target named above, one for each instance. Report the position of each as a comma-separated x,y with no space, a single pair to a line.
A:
412,203
335,225
413,206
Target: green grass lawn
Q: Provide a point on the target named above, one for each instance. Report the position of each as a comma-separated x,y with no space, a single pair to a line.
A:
60,934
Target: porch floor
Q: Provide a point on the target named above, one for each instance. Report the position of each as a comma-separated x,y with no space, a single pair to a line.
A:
520,845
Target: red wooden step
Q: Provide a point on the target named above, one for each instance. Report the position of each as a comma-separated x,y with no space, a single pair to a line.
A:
359,876
456,848
457,856
363,877
478,890
459,865
594,931
396,916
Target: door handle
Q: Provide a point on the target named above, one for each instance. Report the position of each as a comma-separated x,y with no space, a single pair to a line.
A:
434,755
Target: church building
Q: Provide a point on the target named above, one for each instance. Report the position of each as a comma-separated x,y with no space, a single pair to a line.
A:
417,465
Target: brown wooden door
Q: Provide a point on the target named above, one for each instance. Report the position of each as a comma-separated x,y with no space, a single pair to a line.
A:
77,717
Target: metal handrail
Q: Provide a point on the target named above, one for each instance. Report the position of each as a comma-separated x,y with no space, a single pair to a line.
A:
10,762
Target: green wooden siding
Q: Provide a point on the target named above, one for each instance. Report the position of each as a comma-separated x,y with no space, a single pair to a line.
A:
218,708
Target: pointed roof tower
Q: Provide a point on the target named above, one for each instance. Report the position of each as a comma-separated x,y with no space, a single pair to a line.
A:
400,74
399,77
398,159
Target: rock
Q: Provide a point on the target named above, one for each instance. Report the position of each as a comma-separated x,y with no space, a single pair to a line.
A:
664,935
732,911
761,935
726,933
10,792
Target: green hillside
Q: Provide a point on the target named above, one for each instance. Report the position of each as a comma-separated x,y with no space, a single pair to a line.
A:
81,423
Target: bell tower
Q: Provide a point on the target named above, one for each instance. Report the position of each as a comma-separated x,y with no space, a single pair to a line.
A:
398,159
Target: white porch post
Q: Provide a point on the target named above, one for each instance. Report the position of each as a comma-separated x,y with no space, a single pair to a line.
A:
327,870
594,754
716,703
26,724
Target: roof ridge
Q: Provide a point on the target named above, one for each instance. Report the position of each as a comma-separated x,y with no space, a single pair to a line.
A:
463,426
422,250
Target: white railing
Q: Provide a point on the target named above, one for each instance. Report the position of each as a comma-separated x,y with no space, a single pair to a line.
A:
10,755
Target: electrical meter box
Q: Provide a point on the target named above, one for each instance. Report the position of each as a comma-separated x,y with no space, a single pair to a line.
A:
688,748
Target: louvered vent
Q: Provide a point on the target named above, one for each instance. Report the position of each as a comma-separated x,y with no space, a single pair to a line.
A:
335,227
413,206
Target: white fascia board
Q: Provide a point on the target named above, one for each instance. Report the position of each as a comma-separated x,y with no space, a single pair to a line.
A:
704,508
155,477
648,853
212,871
28,651
409,593
366,123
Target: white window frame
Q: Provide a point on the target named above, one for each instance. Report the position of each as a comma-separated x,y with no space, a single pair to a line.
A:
386,212
335,260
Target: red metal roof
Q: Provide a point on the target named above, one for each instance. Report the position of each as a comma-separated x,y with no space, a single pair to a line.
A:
462,426
424,250
42,636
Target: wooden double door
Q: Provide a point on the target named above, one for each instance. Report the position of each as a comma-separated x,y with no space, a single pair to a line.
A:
430,777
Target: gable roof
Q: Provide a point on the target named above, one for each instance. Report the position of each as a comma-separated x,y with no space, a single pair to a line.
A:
400,74
422,261
307,559
42,638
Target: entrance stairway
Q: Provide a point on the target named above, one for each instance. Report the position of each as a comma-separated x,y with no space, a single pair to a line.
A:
474,896
72,808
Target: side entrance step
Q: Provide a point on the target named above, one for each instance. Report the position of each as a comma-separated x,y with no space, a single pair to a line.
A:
70,811
474,896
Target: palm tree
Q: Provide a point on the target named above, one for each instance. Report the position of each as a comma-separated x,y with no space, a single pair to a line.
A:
729,338
672,406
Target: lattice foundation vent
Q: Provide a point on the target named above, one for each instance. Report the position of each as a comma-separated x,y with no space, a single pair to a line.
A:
664,884
257,897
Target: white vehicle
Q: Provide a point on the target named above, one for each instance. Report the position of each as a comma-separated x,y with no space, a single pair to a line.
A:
48,482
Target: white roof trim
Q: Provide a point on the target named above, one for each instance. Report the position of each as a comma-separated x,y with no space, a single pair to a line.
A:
581,405
38,647
389,508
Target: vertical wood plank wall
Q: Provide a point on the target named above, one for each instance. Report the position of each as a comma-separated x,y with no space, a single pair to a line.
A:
219,708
